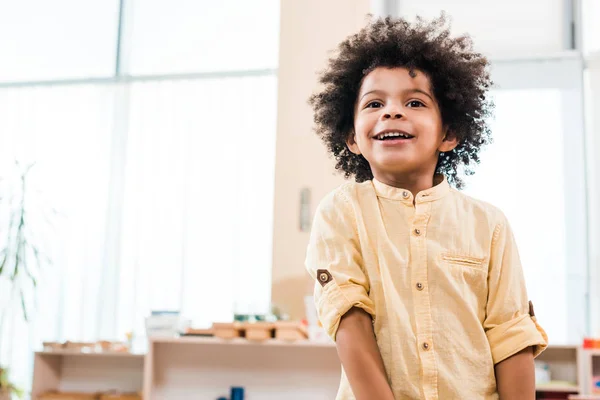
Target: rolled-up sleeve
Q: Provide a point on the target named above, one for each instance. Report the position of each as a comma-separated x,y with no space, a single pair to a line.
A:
334,260
509,324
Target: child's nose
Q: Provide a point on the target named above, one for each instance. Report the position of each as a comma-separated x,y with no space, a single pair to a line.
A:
392,115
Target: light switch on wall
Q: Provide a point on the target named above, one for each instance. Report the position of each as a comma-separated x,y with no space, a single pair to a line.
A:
305,210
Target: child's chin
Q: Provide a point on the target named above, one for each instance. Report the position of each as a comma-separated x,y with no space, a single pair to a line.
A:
395,163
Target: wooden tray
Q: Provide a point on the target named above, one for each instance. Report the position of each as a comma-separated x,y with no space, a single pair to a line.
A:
259,330
290,330
229,330
120,396
68,396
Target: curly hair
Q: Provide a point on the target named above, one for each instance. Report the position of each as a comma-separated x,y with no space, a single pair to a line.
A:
459,78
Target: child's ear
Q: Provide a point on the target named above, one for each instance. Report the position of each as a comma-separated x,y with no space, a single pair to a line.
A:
449,142
351,143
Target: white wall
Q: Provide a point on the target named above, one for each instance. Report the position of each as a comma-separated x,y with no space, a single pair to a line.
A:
309,30
592,110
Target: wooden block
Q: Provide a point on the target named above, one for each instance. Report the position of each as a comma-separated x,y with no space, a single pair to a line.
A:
120,396
290,331
50,346
80,346
68,396
230,330
259,330
199,332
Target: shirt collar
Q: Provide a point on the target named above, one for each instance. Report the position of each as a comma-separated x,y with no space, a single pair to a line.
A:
439,190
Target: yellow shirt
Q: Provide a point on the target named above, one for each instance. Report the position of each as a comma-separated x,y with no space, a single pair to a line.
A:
441,278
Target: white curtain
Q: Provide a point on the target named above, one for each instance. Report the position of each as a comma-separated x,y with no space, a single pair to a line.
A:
198,199
66,132
523,173
164,192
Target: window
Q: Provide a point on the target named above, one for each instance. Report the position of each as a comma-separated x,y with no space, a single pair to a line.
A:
203,35
198,192
500,28
591,30
534,171
164,181
60,39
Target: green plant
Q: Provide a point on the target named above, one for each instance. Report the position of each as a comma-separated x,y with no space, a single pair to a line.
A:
21,257
7,387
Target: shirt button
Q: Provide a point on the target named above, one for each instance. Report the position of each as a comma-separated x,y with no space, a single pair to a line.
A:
405,194
419,286
417,232
425,346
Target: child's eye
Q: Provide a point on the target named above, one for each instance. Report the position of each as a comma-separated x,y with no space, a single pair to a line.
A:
415,103
374,104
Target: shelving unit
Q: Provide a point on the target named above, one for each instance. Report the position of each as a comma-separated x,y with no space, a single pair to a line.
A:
196,367
566,368
193,368
70,371
591,368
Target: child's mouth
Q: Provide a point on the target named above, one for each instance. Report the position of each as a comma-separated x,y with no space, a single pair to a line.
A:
393,136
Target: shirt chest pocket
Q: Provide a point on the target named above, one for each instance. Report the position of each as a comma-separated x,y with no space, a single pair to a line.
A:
468,273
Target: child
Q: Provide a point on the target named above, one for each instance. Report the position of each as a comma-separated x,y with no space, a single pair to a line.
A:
420,285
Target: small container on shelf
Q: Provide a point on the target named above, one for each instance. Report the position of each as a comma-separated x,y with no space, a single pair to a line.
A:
258,330
105,346
596,384
52,346
120,396
237,393
68,396
84,347
291,330
228,330
199,332
591,343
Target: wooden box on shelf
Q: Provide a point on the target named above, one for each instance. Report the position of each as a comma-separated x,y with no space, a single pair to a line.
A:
258,330
565,367
88,374
290,330
227,330
591,365
120,396
68,396
191,368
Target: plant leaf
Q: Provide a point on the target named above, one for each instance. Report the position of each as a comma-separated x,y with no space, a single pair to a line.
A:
3,263
23,306
17,262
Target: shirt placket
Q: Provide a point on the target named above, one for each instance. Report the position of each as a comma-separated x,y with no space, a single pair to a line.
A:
422,304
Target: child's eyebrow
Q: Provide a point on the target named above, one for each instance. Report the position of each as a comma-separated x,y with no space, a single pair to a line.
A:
407,91
416,90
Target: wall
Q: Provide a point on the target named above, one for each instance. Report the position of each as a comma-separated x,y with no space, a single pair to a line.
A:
309,29
592,111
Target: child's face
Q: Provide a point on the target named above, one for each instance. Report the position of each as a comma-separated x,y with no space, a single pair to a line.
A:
391,102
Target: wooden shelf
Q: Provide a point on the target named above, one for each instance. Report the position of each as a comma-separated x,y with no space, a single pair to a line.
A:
593,352
240,342
89,354
565,363
205,368
74,371
558,388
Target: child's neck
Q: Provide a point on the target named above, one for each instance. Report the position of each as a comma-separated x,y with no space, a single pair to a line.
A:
414,183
